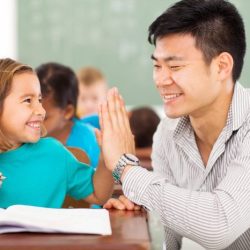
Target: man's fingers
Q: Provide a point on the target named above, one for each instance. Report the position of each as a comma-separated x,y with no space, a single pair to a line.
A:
121,119
124,112
114,203
128,204
137,207
112,107
105,117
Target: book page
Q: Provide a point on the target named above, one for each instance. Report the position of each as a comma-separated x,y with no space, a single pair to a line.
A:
38,219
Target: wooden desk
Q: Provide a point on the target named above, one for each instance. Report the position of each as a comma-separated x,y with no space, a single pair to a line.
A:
129,232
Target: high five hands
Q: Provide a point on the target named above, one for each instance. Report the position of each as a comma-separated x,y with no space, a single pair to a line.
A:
115,137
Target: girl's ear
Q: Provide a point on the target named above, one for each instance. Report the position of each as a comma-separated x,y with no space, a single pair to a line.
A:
69,112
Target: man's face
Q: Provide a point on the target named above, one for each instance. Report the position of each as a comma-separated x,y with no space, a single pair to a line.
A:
187,85
90,97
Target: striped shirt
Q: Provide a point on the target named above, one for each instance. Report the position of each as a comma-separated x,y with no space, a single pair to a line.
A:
210,205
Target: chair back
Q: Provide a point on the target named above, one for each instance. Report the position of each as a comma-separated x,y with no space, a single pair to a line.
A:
80,154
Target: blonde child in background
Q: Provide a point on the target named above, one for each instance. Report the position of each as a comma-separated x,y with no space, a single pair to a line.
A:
39,171
92,92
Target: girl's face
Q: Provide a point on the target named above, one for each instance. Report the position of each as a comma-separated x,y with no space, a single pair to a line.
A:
23,113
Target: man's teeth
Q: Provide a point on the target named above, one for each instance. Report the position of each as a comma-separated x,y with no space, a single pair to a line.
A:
34,124
170,97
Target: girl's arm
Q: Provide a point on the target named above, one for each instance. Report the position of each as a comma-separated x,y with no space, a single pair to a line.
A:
103,185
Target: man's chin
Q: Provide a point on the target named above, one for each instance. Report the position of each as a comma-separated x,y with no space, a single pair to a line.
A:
172,115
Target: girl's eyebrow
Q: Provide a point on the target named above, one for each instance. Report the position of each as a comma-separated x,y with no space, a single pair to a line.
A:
30,94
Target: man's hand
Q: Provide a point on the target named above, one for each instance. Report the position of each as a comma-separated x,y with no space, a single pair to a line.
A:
122,203
115,137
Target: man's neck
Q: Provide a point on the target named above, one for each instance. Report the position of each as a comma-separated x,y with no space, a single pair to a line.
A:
209,123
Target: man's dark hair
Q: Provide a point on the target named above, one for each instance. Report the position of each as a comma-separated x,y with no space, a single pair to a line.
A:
60,81
143,122
216,26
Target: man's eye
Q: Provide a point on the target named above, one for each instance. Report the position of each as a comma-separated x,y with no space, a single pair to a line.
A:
175,67
156,66
28,100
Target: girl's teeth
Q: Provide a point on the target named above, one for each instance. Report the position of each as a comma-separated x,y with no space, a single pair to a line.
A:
34,125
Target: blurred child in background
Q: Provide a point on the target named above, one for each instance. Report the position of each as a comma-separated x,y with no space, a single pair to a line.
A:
143,122
38,171
59,88
92,91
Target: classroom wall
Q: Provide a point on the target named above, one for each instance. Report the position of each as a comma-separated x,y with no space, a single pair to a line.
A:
8,18
110,34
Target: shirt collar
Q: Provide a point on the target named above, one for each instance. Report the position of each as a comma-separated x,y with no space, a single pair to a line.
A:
240,106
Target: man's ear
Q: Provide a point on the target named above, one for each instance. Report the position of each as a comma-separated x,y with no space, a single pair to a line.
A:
225,66
69,112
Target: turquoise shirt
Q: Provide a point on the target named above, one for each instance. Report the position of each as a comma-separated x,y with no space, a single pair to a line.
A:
83,136
93,120
41,174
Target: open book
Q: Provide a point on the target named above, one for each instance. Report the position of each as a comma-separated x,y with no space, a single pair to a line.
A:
22,218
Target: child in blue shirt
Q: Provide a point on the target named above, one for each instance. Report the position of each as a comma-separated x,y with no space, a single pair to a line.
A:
38,171
59,88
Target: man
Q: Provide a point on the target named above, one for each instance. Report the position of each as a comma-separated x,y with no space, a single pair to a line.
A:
201,180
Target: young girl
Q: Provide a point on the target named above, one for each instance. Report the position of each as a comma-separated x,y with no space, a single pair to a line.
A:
38,172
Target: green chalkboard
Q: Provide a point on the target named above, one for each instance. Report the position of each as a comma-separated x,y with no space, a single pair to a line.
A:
108,34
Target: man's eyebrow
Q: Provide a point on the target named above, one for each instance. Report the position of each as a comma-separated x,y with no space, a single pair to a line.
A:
169,58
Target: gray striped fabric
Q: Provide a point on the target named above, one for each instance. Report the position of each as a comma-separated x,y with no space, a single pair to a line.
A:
210,205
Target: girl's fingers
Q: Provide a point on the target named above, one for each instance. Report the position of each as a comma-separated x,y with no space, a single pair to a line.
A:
98,135
100,116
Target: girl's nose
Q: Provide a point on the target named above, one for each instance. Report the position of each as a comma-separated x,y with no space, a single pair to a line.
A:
40,111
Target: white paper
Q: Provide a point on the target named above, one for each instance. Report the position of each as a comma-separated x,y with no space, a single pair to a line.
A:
20,218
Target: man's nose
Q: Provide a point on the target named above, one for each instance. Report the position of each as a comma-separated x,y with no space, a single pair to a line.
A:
163,78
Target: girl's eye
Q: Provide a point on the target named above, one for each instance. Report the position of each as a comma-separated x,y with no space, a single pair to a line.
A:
40,100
